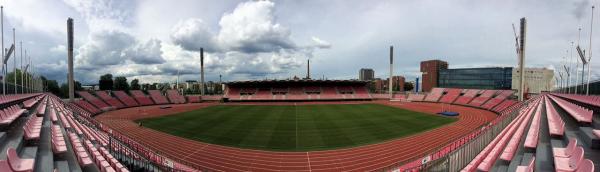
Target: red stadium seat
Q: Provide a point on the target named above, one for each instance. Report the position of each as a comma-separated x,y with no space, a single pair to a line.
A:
570,163
566,151
528,168
18,164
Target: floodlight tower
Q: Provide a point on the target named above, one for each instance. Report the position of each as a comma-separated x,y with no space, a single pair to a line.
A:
391,71
522,58
587,90
70,77
202,71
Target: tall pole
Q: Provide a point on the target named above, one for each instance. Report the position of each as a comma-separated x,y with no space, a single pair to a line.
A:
522,59
571,68
70,75
202,71
15,61
587,90
391,71
2,30
21,43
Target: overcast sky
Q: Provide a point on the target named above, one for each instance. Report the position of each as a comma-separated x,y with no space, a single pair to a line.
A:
153,40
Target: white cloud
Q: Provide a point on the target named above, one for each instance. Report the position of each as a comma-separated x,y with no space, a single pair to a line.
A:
192,34
319,43
146,53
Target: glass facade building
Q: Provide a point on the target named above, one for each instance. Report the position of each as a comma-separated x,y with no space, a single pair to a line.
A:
498,78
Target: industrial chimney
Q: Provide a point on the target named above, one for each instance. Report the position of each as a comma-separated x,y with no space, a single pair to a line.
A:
70,76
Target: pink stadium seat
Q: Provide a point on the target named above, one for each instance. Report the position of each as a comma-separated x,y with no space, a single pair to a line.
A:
126,99
32,128
158,97
93,100
581,114
590,100
566,151
485,96
175,97
415,97
571,163
141,98
467,97
434,95
451,96
555,123
586,166
58,141
109,99
18,164
534,129
596,132
4,166
528,168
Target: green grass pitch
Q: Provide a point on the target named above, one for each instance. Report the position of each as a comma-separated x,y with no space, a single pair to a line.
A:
296,128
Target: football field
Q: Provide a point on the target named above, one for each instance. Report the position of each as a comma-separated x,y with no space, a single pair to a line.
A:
296,128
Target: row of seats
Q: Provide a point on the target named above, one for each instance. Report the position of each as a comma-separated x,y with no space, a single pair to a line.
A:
590,100
487,157
581,114
555,123
110,100
175,97
141,98
158,98
571,158
126,99
10,114
93,100
33,128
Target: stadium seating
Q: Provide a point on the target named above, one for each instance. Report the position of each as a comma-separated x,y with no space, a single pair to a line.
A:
30,102
9,114
485,96
527,168
451,95
555,123
361,92
32,128
109,99
58,141
569,163
93,100
566,151
590,100
87,106
126,99
158,98
17,163
467,97
141,98
415,97
194,99
504,105
581,114
175,97
434,95
532,138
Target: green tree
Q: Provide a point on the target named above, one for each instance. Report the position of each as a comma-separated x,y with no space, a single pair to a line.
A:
135,84
120,83
64,89
408,86
106,82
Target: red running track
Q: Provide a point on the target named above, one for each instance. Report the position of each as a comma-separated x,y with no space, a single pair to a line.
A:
362,158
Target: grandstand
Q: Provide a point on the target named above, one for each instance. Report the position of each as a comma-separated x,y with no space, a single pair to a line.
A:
551,131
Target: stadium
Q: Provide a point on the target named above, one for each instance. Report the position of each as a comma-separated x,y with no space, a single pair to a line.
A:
501,119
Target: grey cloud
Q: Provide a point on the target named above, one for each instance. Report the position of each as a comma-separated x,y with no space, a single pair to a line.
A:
104,48
146,53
